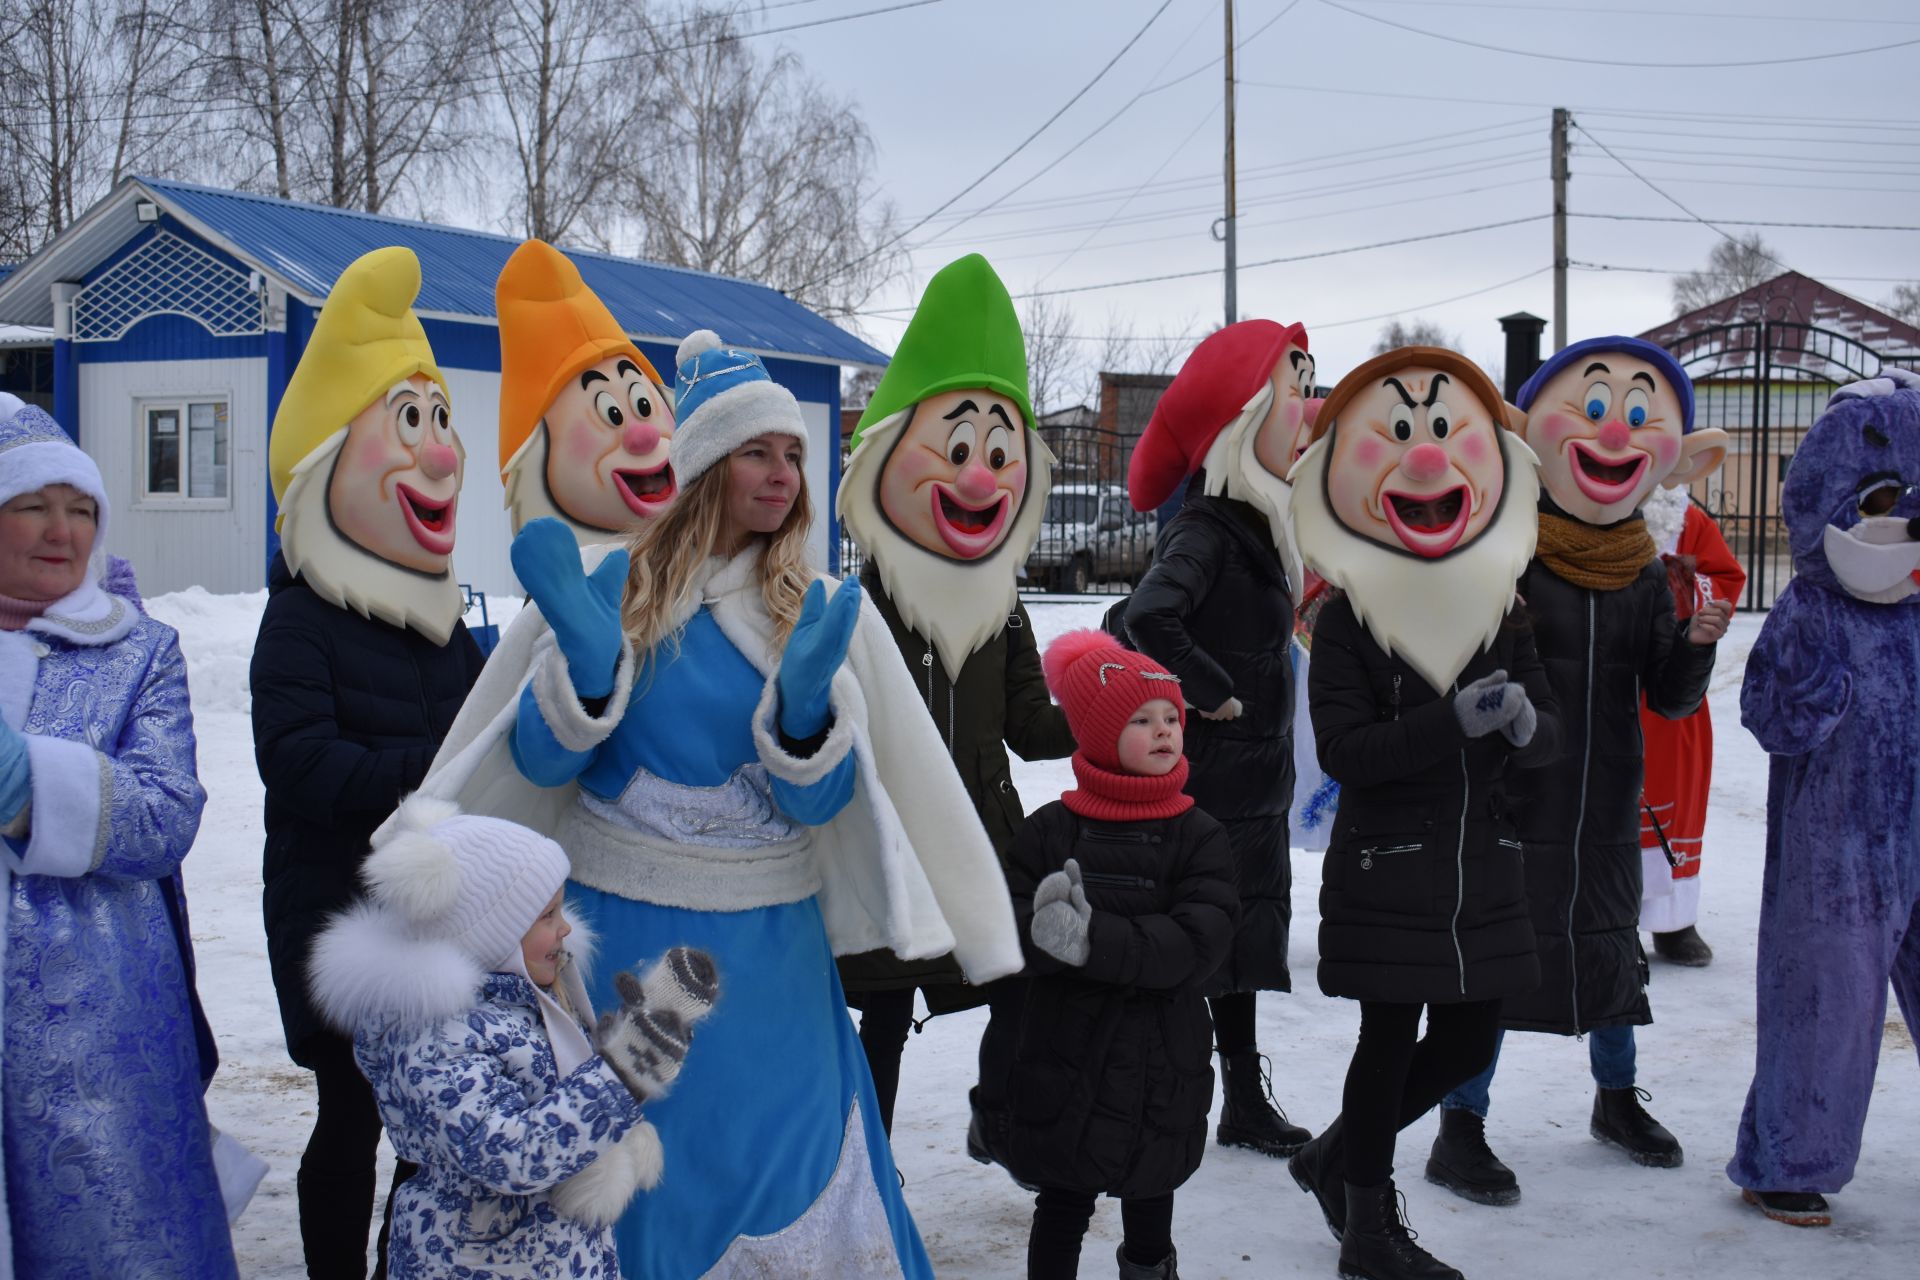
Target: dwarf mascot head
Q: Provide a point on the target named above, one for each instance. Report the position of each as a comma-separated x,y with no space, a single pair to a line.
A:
584,418
948,480
1416,500
1611,419
366,466
1238,410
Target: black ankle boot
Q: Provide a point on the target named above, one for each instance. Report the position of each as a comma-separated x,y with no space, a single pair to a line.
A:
1379,1246
1250,1118
1319,1168
1161,1270
1463,1163
1684,947
1619,1119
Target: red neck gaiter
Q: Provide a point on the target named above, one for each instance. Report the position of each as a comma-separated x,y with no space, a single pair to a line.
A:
1108,796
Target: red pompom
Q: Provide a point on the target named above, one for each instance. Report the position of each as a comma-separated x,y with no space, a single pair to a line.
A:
1069,649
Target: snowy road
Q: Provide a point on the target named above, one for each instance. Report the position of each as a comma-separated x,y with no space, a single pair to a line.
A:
1586,1211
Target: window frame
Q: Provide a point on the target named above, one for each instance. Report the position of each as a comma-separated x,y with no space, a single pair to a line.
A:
145,500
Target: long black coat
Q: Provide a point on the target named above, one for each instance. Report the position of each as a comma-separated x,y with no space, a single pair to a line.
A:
1580,816
1099,1078
1216,611
1423,892
999,701
347,715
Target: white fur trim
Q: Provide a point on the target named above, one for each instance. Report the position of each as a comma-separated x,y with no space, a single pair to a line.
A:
72,791
599,1193
697,343
367,965
34,464
798,770
559,704
90,615
722,423
414,874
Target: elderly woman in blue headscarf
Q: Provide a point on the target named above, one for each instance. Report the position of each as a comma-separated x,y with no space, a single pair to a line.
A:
108,1155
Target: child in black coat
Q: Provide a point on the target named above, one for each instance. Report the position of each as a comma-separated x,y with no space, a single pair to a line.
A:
1095,1071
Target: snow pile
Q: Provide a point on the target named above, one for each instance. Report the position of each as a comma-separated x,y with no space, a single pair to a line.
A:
216,635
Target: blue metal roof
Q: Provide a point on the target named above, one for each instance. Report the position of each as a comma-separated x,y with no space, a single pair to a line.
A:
309,245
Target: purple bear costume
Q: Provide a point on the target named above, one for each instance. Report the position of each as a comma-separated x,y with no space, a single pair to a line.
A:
1832,691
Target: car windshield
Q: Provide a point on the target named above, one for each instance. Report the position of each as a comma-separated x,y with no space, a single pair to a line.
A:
1072,508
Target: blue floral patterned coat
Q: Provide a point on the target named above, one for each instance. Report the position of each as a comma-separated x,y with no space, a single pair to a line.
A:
109,1167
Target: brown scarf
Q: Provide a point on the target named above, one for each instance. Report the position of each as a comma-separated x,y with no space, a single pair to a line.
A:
1594,558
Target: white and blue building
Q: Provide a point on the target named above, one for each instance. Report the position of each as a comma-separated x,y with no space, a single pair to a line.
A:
162,326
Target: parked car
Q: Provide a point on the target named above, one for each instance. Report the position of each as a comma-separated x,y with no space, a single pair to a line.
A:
1090,535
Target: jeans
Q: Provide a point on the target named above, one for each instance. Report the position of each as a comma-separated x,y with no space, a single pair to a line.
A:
1610,1055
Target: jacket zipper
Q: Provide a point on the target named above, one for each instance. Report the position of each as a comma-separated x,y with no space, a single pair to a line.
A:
1460,866
1123,837
1396,695
926,661
1382,850
1092,878
1579,822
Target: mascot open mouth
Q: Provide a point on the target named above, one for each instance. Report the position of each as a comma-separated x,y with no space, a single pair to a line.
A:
1605,481
1429,524
430,520
645,492
969,532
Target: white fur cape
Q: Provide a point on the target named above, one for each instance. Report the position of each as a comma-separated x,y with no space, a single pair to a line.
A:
904,866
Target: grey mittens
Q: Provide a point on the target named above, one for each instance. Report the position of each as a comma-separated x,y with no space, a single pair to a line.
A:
1061,916
647,1038
1495,702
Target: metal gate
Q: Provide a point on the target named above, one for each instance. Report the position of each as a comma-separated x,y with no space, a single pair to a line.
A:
1765,382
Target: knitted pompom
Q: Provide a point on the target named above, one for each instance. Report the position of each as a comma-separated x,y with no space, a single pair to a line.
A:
699,342
1069,649
411,870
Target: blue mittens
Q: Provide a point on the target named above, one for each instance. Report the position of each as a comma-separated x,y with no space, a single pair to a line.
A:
583,611
16,776
814,652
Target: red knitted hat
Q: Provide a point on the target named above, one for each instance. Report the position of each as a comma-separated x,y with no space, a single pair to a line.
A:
1100,685
1210,390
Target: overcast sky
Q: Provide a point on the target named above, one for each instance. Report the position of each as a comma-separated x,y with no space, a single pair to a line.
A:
1353,131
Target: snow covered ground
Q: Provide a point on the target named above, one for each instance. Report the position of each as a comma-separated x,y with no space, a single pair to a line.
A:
1587,1212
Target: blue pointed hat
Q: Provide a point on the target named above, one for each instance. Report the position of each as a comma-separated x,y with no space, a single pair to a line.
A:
1654,355
35,452
722,399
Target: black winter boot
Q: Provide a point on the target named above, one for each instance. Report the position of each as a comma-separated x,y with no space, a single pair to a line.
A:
1319,1168
1162,1270
1795,1208
1250,1118
1619,1118
1684,947
1463,1163
1378,1244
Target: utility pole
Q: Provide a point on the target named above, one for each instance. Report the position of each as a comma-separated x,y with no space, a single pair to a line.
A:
1231,268
1560,121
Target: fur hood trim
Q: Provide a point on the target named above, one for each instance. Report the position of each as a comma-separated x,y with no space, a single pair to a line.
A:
367,965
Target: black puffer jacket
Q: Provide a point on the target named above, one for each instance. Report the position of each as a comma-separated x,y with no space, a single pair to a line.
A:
347,715
1423,894
1215,610
1580,816
999,701
1099,1078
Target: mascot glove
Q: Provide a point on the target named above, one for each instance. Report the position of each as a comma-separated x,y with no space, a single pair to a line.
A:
1061,916
647,1038
1489,703
16,775
1519,730
583,611
814,652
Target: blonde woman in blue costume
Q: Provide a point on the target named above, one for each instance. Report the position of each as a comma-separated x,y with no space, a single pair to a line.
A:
727,746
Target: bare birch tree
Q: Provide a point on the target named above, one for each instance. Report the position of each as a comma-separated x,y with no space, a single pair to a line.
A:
1733,266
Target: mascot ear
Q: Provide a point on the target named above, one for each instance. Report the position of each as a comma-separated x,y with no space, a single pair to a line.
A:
1701,453
1514,418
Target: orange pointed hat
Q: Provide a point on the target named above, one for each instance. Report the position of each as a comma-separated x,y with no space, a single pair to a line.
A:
552,328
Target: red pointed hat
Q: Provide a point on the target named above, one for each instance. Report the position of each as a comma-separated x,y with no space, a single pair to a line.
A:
1209,392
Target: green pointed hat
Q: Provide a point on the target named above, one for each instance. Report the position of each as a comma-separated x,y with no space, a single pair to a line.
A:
965,333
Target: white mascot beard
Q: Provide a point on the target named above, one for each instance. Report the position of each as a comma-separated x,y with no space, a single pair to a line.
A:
529,497
347,575
957,604
1235,471
1434,615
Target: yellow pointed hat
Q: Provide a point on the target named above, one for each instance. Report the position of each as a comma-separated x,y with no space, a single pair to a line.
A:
366,339
552,328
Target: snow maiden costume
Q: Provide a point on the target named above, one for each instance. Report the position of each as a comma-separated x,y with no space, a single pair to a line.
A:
1831,692
944,491
108,1156
693,817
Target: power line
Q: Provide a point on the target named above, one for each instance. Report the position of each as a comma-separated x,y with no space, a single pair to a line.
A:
1664,271
1747,137
1610,11
1590,61
1747,222
1774,185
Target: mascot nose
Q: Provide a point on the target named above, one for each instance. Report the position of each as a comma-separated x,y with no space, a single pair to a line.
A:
1425,462
1614,435
975,483
439,461
640,438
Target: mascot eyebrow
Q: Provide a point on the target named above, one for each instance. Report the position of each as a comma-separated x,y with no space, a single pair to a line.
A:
968,406
1433,391
1640,375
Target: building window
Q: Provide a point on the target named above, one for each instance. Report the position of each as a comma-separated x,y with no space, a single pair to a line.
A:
185,445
